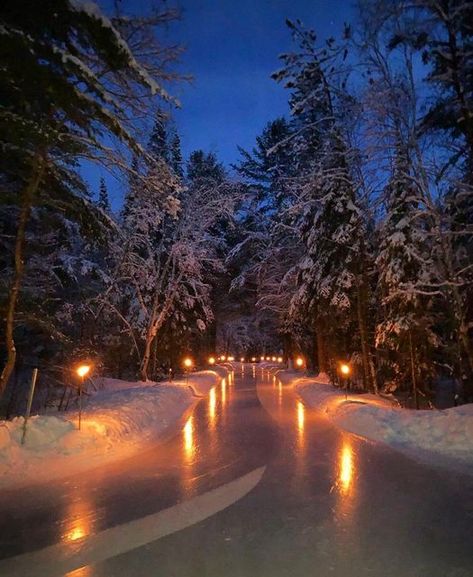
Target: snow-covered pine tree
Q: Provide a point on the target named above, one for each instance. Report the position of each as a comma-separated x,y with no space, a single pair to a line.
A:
64,59
103,201
176,156
404,265
331,279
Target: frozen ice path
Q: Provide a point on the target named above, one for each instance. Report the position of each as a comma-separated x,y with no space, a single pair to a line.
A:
328,503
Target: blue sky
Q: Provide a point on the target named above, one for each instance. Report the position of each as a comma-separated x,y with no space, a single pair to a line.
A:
231,49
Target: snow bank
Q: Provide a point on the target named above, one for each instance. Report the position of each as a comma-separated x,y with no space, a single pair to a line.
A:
444,433
116,422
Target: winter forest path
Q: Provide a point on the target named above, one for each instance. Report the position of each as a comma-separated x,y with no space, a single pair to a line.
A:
328,502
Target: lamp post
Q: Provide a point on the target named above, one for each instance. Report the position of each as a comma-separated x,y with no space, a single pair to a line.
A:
82,371
345,370
187,367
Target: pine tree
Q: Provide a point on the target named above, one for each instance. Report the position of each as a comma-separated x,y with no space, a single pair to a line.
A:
59,61
158,143
103,201
176,156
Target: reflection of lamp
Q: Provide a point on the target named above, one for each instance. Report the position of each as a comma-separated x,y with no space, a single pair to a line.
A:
346,469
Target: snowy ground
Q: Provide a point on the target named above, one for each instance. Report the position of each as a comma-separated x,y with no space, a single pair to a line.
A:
117,421
436,435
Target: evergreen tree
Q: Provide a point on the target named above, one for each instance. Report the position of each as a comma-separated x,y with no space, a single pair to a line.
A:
176,156
59,61
158,143
103,200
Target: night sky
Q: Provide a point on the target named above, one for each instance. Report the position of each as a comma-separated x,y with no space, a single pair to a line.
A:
232,47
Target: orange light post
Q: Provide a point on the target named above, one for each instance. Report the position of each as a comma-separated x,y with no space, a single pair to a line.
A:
82,371
345,371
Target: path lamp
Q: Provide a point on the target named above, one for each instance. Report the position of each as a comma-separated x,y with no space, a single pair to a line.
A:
188,363
242,359
279,359
211,361
299,362
82,371
345,371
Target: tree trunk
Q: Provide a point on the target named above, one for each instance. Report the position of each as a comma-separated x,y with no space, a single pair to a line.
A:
369,372
413,371
321,353
27,198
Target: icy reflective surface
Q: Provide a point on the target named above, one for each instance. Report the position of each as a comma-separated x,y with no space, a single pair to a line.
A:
328,504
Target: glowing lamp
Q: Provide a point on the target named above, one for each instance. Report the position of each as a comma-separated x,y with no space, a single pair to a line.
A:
279,359
345,369
223,358
262,358
231,359
83,370
187,363
211,360
253,359
268,358
299,361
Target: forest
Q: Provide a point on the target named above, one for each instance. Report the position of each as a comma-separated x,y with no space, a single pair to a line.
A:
344,234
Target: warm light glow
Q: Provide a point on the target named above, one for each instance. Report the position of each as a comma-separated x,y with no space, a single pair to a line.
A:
253,359
345,369
189,438
212,404
242,359
300,416
75,534
346,467
231,359
211,360
223,358
224,391
279,359
82,370
262,358
187,362
299,361
268,358
273,359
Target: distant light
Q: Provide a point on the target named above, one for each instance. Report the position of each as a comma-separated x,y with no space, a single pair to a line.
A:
299,361
187,362
223,358
268,358
262,358
231,359
273,359
211,360
242,359
345,369
82,370
253,359
279,359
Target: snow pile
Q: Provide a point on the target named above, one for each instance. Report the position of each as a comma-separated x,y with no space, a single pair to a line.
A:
116,422
447,433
